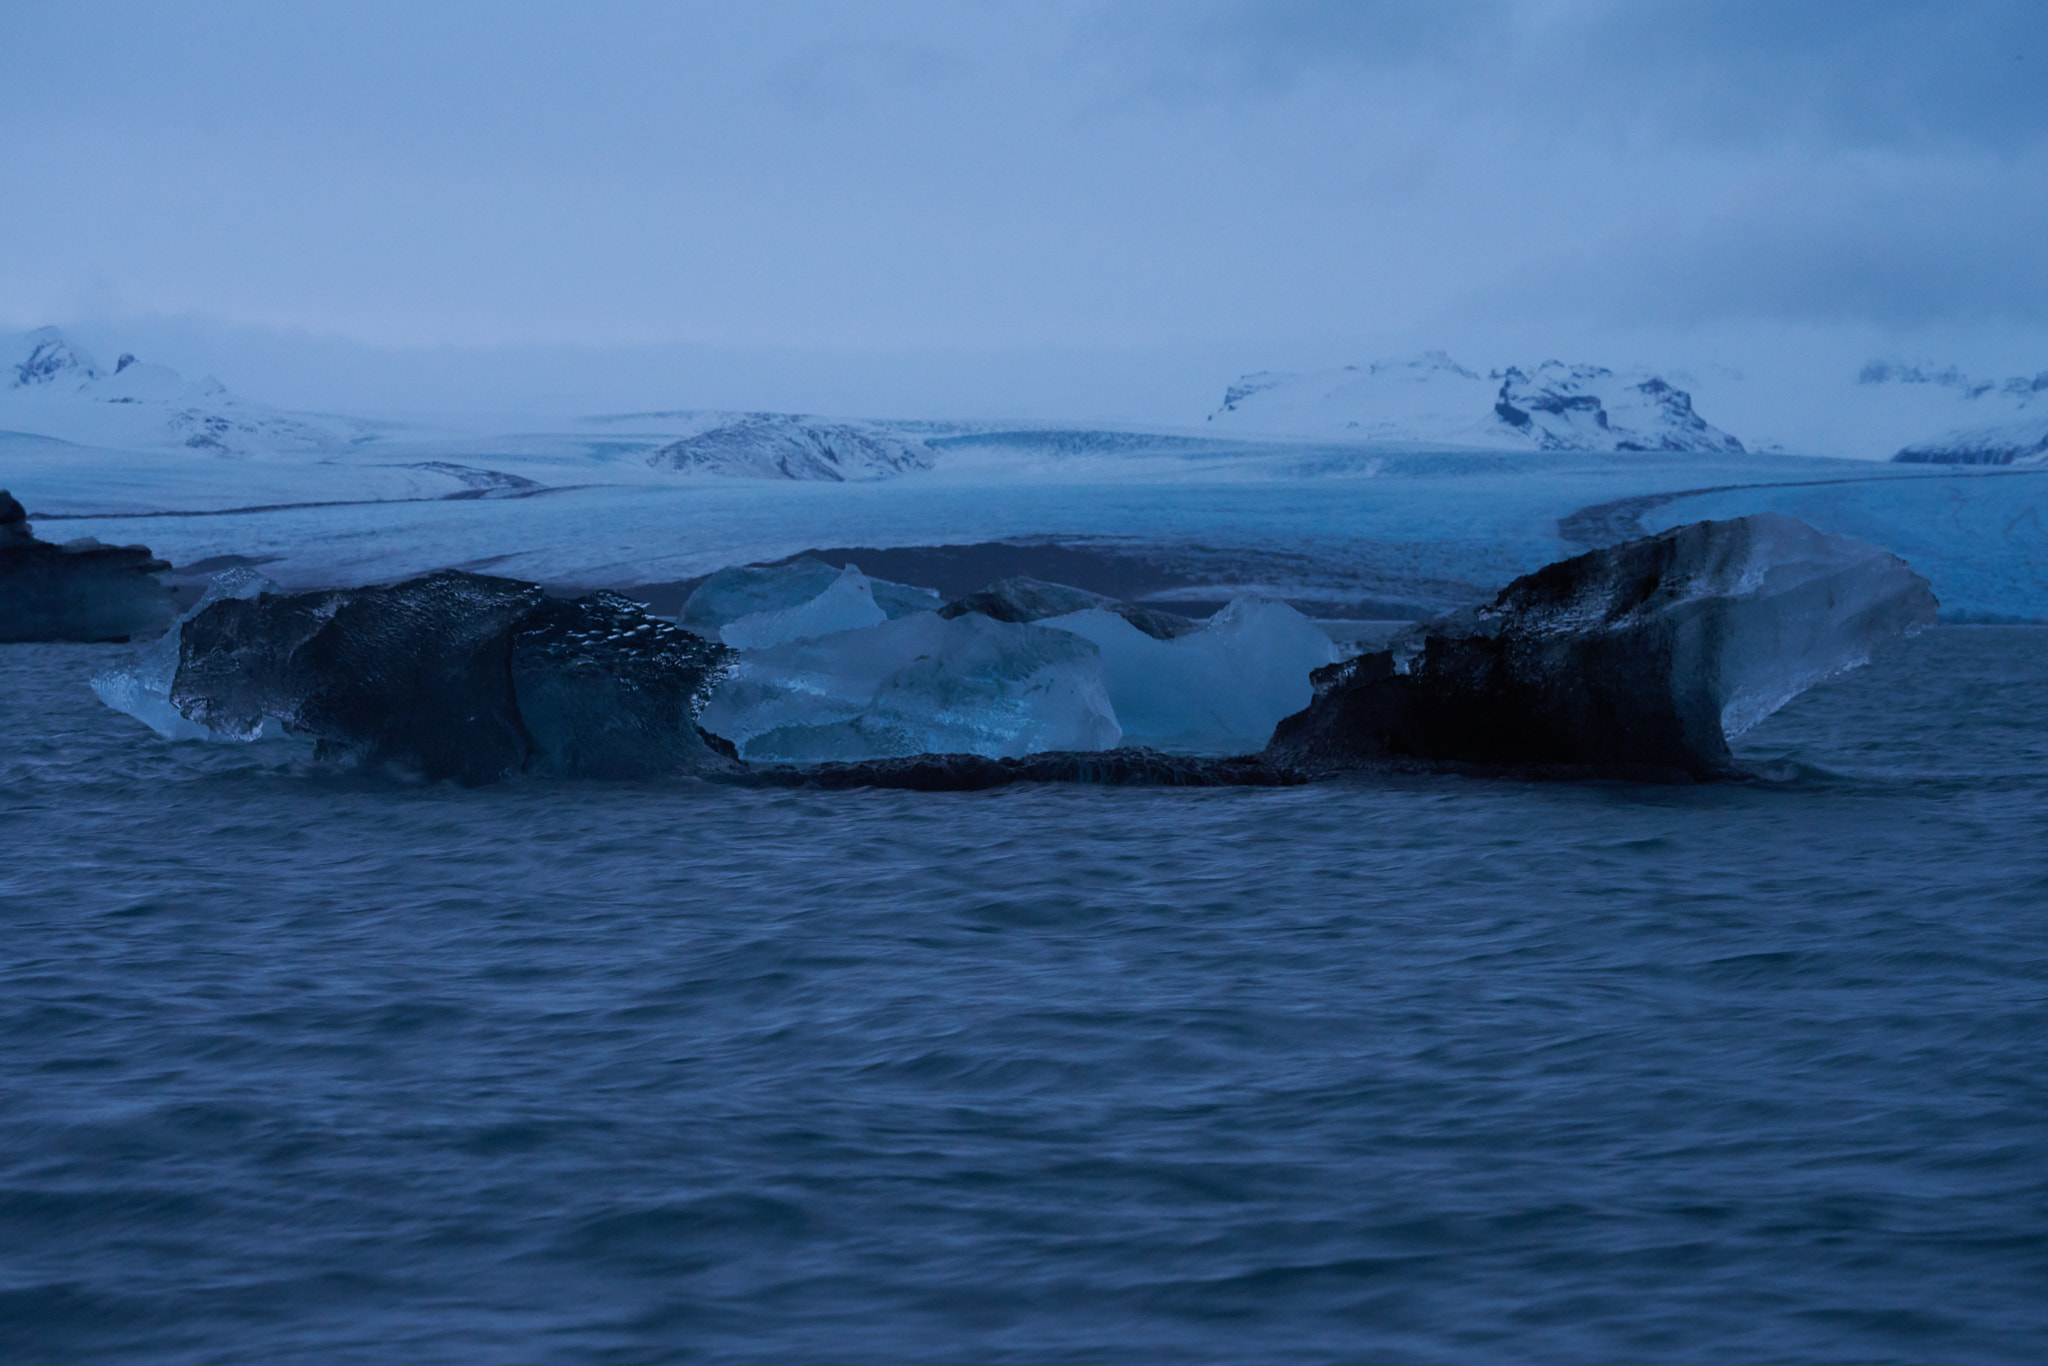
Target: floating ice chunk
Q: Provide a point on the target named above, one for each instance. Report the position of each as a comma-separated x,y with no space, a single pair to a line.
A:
848,604
1218,690
1640,659
451,675
902,599
143,689
916,685
733,596
1020,598
743,591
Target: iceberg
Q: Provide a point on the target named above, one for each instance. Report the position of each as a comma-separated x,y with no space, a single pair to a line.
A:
605,691
1636,661
847,604
1219,689
453,676
919,684
743,591
1020,598
143,689
1640,660
731,595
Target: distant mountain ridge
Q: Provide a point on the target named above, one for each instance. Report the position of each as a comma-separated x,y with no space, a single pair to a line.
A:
59,390
1908,412
2005,422
1913,412
1433,399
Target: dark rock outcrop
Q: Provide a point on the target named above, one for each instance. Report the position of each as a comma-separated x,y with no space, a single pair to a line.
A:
456,676
83,591
1636,661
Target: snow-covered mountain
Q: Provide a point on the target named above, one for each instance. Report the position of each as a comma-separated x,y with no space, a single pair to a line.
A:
1590,408
57,389
791,446
1434,400
2002,423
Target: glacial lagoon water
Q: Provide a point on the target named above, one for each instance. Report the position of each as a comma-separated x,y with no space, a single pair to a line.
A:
305,1067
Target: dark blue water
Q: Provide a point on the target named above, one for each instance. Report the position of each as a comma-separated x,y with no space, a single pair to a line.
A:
303,1068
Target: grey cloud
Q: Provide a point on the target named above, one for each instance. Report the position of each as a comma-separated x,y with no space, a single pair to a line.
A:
1855,72
1926,246
1031,173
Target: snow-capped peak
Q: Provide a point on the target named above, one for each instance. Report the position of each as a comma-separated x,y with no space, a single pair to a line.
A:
53,360
1590,408
57,389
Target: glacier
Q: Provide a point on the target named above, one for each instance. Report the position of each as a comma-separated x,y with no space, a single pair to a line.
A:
1639,660
1219,689
919,684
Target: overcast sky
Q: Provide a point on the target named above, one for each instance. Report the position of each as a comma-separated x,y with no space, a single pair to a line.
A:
1222,181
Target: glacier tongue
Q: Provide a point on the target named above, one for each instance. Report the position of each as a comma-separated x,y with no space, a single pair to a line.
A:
919,684
1217,690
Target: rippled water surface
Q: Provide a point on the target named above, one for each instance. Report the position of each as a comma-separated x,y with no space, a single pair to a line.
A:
297,1067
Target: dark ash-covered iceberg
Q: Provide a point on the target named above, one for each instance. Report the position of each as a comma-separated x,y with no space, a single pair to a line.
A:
83,591
1640,660
453,676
